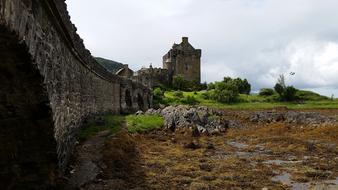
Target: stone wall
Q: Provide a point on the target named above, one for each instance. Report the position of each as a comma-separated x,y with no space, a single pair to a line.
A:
50,83
188,66
153,77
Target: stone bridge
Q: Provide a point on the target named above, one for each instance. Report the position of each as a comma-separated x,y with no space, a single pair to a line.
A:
49,83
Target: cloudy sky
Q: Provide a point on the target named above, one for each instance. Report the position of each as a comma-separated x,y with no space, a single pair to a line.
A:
253,39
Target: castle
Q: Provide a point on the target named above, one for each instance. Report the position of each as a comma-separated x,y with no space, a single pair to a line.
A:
181,60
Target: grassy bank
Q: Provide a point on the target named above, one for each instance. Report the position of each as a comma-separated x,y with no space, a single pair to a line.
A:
252,101
115,123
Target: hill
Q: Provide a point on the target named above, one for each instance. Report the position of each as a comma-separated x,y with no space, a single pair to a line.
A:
110,65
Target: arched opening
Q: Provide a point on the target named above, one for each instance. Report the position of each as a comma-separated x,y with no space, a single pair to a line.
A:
128,98
28,153
140,102
149,102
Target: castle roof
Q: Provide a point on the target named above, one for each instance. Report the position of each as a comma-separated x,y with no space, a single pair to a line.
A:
184,45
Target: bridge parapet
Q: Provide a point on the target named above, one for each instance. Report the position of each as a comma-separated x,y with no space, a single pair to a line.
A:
56,82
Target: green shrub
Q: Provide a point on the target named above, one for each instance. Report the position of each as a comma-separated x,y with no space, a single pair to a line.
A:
179,83
202,86
205,95
225,92
243,86
279,89
287,93
266,92
158,95
211,86
290,93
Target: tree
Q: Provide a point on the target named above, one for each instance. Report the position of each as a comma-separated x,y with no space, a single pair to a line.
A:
281,81
266,92
179,83
211,86
286,93
290,93
243,86
279,89
225,92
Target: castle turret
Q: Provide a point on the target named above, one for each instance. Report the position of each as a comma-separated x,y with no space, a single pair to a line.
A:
183,59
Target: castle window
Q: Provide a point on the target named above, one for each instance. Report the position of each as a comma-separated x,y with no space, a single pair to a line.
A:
186,67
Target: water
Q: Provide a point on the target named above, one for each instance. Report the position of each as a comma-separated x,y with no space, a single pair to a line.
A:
285,178
237,144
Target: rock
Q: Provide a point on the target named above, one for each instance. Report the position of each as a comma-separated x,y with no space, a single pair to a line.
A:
152,111
201,129
204,119
303,118
139,112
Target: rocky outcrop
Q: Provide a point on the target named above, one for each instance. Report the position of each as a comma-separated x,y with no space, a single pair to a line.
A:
293,117
202,119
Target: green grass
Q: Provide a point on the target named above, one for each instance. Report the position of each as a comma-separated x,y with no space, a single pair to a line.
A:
114,123
252,102
143,123
310,96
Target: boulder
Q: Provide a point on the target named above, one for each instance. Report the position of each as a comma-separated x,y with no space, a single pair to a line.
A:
201,120
139,112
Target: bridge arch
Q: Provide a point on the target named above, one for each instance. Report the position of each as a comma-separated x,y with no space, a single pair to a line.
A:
49,84
140,102
28,149
128,98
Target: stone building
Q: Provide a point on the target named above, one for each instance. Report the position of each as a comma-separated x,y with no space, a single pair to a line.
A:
125,71
183,59
152,77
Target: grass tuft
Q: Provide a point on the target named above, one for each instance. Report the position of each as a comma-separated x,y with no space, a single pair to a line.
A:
113,123
141,123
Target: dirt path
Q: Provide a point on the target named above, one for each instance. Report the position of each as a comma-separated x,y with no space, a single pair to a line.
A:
89,160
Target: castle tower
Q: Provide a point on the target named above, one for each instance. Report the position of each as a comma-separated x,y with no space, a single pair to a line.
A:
183,59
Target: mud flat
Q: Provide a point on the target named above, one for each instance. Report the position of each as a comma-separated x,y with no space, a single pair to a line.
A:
254,155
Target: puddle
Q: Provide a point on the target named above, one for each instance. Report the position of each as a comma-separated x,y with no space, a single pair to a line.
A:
285,178
237,144
281,162
259,151
220,155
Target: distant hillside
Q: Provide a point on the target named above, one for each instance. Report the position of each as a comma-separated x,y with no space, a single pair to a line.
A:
110,65
310,96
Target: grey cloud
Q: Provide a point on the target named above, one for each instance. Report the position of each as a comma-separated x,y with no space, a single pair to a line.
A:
243,38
